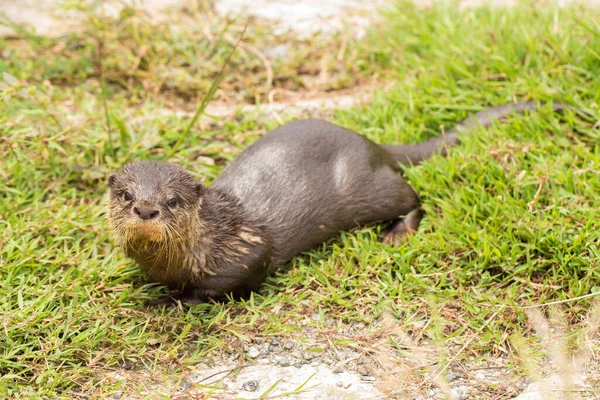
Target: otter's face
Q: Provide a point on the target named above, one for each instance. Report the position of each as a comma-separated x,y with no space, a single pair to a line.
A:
153,202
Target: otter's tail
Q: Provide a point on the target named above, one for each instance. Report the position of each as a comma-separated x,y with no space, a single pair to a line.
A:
413,154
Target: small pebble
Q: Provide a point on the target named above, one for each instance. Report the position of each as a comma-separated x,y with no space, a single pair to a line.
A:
253,352
265,349
289,344
327,360
250,386
460,392
521,384
116,396
284,362
274,348
185,385
368,378
343,385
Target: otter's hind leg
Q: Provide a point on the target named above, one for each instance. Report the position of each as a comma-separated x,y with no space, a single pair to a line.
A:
389,197
401,228
395,197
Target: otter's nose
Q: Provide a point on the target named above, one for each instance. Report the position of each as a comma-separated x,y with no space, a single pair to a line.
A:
145,212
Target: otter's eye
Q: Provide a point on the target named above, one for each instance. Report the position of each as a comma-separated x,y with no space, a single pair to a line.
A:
172,203
127,196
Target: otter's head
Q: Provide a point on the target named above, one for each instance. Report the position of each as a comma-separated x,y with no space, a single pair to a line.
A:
153,203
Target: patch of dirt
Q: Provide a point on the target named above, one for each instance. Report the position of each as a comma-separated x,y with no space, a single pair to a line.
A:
310,366
303,103
300,105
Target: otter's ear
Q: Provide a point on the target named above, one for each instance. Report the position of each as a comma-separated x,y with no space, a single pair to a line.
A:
200,189
112,180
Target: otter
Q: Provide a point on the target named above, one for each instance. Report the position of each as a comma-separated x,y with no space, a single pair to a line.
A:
295,187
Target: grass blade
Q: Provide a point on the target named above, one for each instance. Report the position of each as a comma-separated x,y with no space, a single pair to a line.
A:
208,96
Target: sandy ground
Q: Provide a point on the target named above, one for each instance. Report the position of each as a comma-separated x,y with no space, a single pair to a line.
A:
371,370
305,17
48,17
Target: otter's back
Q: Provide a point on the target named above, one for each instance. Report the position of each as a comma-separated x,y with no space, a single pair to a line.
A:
308,180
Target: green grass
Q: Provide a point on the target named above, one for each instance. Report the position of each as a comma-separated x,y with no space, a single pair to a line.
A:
511,212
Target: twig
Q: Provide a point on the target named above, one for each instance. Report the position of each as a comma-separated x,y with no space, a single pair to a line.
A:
227,371
340,54
262,58
585,296
537,194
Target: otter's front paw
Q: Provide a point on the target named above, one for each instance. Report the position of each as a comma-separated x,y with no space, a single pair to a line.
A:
173,300
188,298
